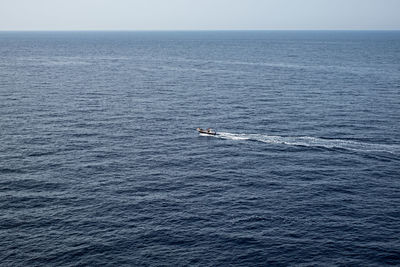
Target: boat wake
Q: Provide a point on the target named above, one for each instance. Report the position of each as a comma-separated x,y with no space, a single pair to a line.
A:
307,141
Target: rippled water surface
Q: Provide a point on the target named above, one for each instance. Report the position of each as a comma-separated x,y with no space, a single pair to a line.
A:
100,163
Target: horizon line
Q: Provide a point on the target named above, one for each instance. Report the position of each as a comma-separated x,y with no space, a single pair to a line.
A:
184,30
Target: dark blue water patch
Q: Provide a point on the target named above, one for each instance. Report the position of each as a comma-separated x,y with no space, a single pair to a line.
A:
100,163
30,184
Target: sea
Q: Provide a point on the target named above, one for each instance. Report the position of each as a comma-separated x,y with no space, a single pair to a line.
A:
101,163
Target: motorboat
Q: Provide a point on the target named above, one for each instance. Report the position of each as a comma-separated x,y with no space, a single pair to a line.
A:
208,131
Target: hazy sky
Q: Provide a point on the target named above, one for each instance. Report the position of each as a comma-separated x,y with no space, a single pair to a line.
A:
198,14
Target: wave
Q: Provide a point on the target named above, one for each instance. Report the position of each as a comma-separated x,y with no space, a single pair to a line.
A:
308,141
329,68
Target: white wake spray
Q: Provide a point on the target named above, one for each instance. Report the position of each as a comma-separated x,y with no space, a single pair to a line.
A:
308,141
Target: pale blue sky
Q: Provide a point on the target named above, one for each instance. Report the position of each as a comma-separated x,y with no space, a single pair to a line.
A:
199,14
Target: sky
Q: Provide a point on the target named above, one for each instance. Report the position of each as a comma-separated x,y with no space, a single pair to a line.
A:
199,15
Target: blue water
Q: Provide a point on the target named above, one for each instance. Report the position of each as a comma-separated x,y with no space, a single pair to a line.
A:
100,163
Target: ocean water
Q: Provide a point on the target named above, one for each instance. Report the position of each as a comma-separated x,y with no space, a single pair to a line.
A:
100,163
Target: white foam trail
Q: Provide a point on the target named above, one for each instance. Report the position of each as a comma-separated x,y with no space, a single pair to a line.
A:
309,141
